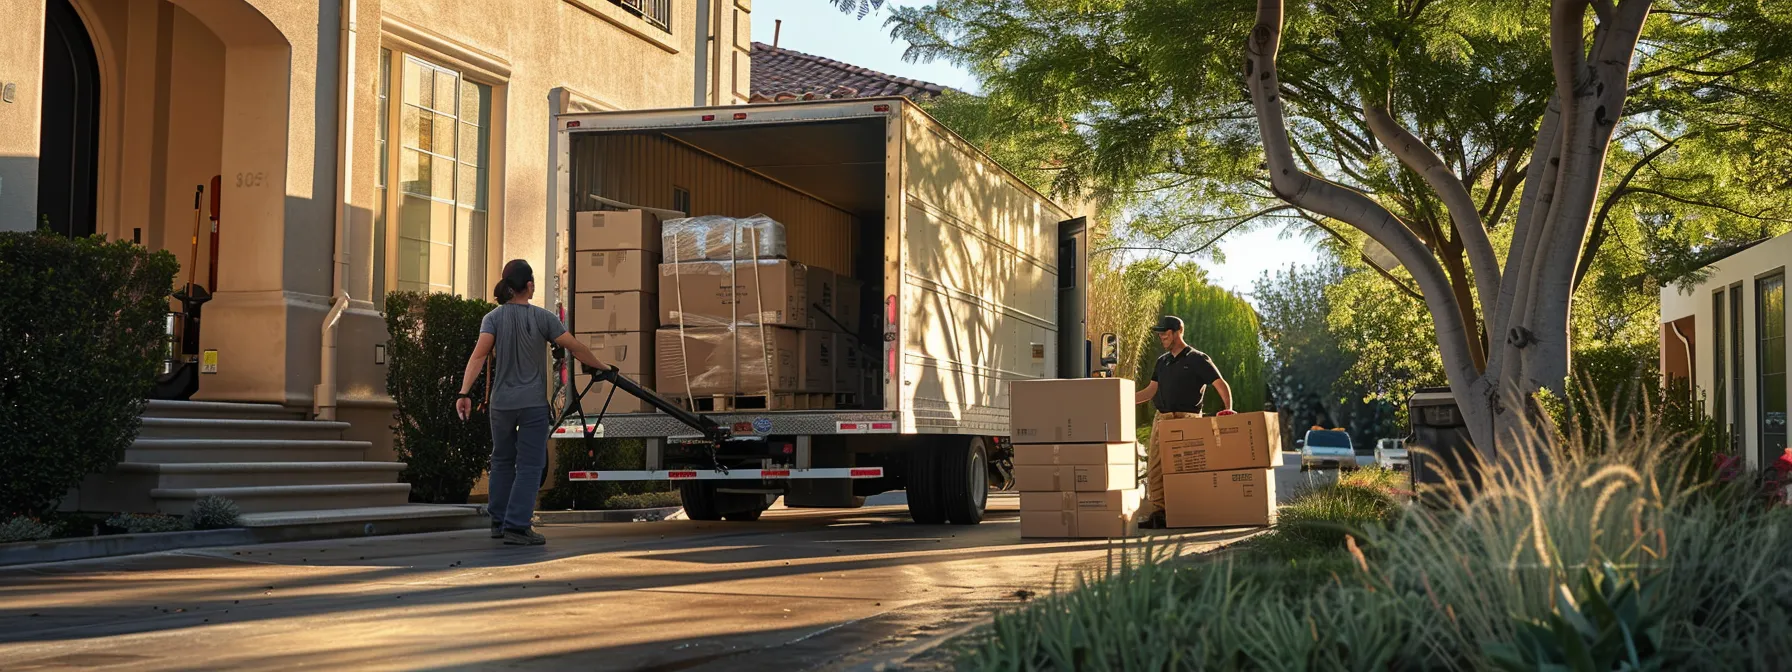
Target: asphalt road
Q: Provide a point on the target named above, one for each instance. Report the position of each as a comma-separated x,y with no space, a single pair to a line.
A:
799,589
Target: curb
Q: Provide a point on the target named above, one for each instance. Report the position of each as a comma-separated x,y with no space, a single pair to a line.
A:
611,516
82,548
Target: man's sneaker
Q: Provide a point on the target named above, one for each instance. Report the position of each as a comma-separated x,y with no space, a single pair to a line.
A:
523,537
497,530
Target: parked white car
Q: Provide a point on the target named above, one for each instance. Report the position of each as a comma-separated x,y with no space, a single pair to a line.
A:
1391,454
1327,449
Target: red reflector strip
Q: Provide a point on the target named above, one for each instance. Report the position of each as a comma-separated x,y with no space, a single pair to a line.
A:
890,362
739,116
709,117
681,475
774,473
582,475
849,427
868,472
880,108
883,426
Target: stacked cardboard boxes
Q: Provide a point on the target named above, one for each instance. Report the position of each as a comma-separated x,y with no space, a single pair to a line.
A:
1075,457
615,302
739,319
1219,471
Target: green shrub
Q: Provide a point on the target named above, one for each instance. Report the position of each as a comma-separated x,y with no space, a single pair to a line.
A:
596,455
214,513
20,528
431,337
646,500
142,523
82,336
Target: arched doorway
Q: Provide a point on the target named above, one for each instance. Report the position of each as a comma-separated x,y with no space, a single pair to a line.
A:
68,146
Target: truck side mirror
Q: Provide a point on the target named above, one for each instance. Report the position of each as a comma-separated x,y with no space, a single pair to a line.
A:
1110,348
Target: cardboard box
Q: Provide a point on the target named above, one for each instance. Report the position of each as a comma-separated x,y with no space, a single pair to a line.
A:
849,377
1184,429
1260,430
615,271
851,304
623,402
616,230
1076,525
815,370
726,361
1076,453
720,293
628,350
1240,498
615,311
819,290
1207,454
1119,501
1076,477
1081,410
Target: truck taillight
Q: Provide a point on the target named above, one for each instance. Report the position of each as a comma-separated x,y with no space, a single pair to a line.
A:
890,361
880,108
890,312
739,116
572,124
709,117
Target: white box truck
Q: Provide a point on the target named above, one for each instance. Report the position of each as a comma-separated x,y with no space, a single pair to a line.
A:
969,280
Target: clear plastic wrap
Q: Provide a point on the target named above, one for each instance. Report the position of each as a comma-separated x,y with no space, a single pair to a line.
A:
720,293
718,238
731,361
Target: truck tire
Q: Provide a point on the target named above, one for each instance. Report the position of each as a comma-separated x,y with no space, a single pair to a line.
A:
922,481
699,500
963,480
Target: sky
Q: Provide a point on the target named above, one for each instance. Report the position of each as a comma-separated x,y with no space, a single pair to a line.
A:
816,27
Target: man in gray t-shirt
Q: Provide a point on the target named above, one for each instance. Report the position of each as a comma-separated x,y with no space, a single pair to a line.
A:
516,336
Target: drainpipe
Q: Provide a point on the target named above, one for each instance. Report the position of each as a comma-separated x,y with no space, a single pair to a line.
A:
324,404
700,94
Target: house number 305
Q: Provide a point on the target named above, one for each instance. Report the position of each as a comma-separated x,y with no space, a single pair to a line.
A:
250,179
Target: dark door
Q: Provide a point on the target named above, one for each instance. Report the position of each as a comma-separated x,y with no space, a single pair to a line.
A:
68,148
1770,361
1073,298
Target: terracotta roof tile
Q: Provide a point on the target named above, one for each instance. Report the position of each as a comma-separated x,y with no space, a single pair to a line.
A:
781,74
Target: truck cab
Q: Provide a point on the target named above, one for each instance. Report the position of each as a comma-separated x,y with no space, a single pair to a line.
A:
1391,454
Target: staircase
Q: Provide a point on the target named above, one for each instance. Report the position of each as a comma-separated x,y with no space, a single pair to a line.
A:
282,470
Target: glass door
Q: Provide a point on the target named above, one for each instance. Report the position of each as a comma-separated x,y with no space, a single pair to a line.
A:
1770,361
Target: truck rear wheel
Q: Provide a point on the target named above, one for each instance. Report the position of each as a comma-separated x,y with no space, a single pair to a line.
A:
922,481
699,500
963,478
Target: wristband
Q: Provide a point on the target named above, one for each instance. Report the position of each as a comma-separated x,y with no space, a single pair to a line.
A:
463,395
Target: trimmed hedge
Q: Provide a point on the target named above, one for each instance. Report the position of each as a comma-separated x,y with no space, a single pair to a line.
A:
82,332
431,337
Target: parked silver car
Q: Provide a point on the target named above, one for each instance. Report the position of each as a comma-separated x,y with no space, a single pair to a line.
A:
1327,449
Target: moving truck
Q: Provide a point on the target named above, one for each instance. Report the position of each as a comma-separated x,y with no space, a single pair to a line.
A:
966,280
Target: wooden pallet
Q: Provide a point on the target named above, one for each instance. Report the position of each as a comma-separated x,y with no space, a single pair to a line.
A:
789,401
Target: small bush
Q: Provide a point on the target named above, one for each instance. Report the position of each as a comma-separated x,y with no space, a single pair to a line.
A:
430,338
214,513
596,455
20,528
143,523
646,500
81,341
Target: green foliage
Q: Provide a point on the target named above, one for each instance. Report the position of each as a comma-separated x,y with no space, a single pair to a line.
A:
1318,519
214,513
1480,585
431,338
21,528
1218,323
597,455
145,523
1613,624
82,333
645,500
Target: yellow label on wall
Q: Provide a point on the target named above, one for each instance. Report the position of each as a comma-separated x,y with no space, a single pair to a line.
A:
208,361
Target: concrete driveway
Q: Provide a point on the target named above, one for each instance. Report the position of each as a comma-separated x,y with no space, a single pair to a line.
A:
797,590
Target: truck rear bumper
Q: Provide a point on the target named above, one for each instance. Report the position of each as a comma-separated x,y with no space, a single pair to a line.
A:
762,423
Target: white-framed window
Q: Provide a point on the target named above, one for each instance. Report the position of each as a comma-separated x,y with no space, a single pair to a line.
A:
433,225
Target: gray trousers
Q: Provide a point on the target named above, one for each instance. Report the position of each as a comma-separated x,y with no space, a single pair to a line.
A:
519,455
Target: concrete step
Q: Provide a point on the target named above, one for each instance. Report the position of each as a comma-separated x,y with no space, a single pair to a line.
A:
368,521
248,474
166,451
233,428
271,498
220,410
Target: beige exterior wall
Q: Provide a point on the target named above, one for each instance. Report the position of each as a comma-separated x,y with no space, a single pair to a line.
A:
1740,270
247,90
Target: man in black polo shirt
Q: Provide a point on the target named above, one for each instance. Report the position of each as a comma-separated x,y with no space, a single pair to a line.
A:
1178,386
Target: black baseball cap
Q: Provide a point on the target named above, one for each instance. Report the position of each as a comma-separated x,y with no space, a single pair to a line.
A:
1168,323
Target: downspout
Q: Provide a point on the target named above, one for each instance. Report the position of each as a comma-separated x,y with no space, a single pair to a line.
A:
700,96
324,406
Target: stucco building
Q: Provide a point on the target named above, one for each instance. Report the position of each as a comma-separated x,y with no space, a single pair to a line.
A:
1727,334
359,146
